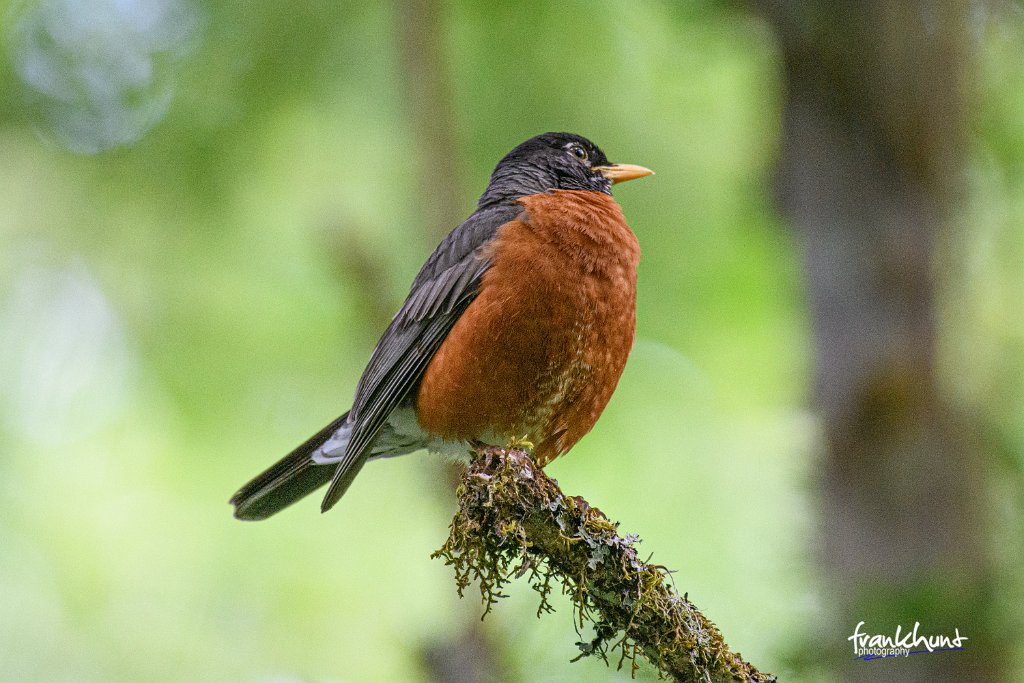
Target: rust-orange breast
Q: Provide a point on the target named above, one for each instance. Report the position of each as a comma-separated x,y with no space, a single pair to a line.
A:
539,351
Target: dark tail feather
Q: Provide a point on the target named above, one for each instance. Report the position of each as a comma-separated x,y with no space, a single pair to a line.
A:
342,478
294,477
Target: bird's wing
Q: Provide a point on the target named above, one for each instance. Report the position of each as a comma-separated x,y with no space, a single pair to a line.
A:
444,287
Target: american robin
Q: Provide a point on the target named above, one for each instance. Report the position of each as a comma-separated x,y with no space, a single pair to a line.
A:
517,327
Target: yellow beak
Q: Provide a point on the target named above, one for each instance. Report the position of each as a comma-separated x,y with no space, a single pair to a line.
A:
620,173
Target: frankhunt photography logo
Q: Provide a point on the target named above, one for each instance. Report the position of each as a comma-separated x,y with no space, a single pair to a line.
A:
868,646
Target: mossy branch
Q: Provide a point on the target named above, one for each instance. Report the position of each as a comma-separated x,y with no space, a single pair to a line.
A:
514,521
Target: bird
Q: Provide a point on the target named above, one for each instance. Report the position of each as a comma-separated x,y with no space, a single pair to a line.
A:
515,330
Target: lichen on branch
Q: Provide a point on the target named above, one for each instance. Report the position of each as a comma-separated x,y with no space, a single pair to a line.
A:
514,521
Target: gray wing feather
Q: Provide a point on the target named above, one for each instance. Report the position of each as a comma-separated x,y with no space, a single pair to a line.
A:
444,287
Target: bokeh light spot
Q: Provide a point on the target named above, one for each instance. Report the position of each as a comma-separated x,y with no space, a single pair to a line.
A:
100,73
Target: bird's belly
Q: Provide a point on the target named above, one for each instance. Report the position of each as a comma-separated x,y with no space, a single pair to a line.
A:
538,353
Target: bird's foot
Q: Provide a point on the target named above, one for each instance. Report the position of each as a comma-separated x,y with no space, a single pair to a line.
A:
521,442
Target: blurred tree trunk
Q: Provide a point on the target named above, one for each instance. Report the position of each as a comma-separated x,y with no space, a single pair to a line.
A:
869,176
470,656
427,84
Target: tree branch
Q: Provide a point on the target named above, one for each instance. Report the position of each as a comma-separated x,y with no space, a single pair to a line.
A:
513,520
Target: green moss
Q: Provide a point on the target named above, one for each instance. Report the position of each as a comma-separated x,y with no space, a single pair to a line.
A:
514,521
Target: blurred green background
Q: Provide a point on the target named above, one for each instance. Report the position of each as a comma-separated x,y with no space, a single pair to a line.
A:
210,209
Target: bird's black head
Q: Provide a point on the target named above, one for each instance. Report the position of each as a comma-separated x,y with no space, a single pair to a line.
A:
555,161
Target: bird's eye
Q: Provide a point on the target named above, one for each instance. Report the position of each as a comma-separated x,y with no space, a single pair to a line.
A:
579,152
